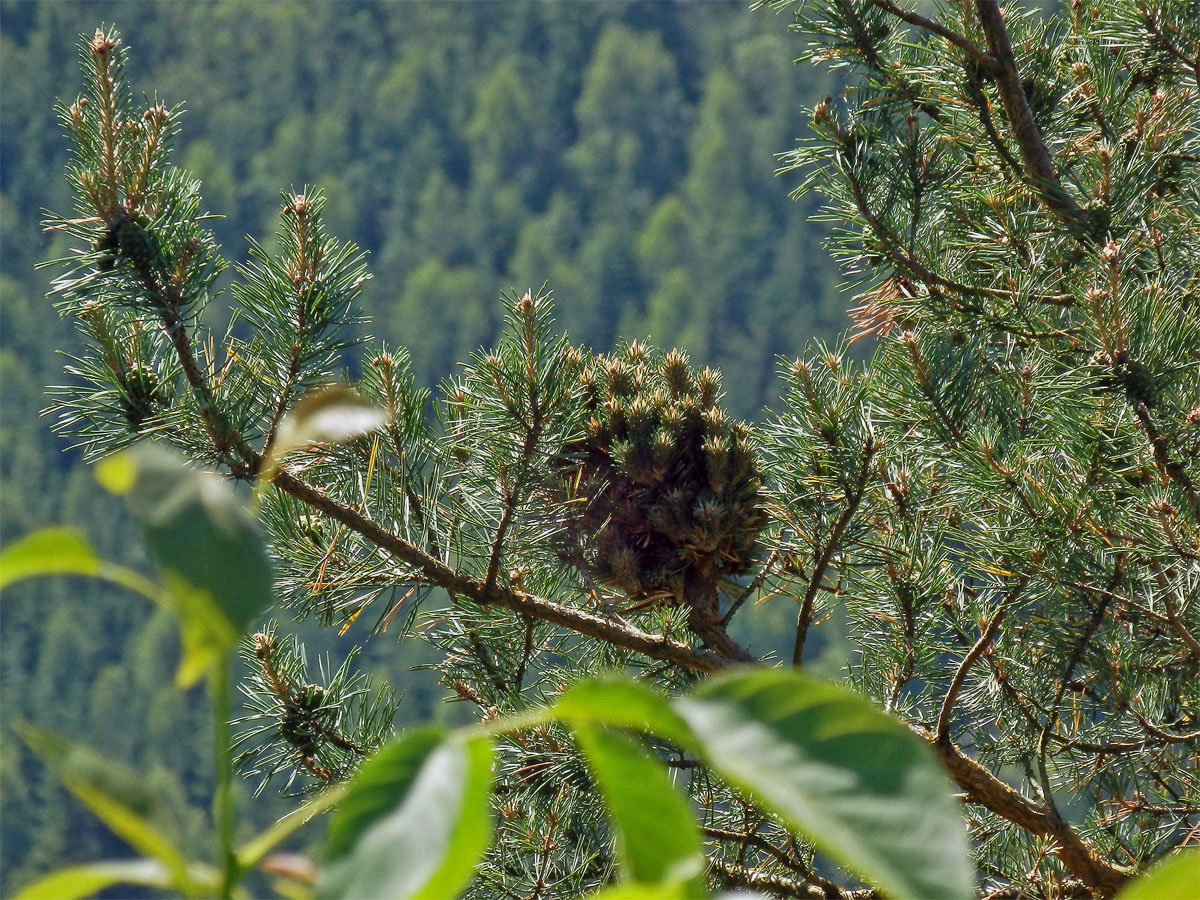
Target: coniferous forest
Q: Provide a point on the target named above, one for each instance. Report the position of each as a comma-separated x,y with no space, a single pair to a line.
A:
626,450
622,152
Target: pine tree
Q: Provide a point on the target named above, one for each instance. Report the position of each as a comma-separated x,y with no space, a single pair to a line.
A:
1002,507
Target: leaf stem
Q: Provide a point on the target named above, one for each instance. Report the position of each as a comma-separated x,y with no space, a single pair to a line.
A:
223,811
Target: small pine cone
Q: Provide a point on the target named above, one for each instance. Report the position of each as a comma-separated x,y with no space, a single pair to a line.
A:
297,728
136,244
141,395
310,697
106,245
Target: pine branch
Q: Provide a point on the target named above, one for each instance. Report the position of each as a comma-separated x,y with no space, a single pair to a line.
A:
984,109
1154,26
756,840
1039,166
985,61
984,788
778,886
435,572
1163,458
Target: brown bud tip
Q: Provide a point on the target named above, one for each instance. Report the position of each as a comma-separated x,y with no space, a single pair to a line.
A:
298,206
709,385
262,645
102,45
1162,507
156,115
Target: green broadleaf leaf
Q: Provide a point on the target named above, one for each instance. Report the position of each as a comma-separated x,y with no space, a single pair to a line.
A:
50,551
380,784
672,891
415,821
658,842
251,852
75,882
619,701
1177,877
83,881
117,796
211,554
332,414
849,777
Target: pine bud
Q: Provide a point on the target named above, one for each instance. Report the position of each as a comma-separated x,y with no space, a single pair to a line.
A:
102,45
709,386
677,374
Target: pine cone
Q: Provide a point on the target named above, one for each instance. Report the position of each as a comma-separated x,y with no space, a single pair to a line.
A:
142,395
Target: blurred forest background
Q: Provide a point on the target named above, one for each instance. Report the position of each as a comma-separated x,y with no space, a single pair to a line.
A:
621,151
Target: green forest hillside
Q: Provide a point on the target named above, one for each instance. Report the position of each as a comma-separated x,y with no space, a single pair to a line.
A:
623,152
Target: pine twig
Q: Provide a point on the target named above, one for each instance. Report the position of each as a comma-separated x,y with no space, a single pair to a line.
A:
804,618
960,676
981,58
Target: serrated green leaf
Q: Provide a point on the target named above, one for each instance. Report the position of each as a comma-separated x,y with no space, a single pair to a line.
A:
847,776
115,794
211,554
50,551
1177,877
415,821
658,842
